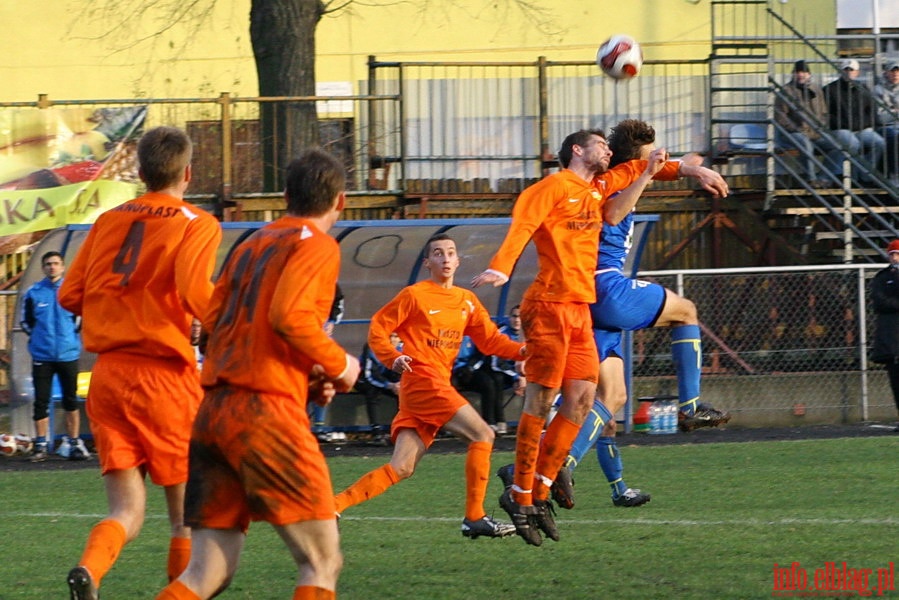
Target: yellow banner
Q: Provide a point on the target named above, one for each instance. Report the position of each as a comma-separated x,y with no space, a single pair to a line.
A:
26,211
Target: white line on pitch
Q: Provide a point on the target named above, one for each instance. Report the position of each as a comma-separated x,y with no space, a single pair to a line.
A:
619,522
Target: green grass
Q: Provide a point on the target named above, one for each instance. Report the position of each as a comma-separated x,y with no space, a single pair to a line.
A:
721,516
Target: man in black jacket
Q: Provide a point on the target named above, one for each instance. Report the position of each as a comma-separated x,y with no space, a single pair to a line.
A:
885,298
853,116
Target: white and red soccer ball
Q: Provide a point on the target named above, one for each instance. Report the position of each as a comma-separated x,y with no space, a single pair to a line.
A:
11,445
620,57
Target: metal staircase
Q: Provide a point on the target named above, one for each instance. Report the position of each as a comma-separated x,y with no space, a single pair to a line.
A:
845,221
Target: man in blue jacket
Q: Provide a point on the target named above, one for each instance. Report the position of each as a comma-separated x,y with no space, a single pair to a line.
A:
55,346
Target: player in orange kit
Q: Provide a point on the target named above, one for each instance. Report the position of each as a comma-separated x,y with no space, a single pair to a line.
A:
431,317
140,277
563,214
253,455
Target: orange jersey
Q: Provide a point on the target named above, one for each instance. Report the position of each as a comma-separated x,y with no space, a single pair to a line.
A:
143,272
431,320
266,319
562,213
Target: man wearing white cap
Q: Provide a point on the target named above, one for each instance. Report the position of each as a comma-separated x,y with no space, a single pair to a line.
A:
885,299
887,91
853,116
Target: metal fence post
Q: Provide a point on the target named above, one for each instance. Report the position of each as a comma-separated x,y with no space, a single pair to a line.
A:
863,340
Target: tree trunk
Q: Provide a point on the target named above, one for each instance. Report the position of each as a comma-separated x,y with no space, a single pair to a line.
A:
283,38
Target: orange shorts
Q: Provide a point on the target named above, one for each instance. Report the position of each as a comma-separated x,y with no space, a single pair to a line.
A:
253,457
425,404
560,343
141,411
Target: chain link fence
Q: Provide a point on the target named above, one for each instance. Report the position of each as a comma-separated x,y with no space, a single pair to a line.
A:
781,346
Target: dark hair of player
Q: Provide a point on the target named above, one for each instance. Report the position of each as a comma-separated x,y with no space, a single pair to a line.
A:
162,154
627,138
314,179
578,138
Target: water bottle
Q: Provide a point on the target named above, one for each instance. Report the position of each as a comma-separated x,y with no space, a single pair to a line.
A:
670,417
656,418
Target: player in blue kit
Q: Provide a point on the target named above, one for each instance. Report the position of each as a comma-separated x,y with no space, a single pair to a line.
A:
625,304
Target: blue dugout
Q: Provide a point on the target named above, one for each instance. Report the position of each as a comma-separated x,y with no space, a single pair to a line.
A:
378,258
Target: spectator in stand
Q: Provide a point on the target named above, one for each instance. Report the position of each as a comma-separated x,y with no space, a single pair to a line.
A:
378,380
471,373
853,116
885,298
803,123
887,91
504,376
55,346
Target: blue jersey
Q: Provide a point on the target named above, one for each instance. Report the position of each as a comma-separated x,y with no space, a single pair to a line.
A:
622,304
615,243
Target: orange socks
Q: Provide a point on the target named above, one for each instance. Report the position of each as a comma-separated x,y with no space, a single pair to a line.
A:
179,556
527,447
477,474
177,591
369,485
557,442
104,543
307,592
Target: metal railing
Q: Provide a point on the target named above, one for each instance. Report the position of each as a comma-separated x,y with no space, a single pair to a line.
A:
777,342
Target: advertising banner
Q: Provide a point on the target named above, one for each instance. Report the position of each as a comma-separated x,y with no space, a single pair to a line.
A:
63,165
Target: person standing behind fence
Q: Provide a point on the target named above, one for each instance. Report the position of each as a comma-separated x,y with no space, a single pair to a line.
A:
853,116
142,275
55,346
887,91
885,299
801,124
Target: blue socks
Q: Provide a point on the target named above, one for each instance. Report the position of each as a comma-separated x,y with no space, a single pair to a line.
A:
686,350
611,465
596,419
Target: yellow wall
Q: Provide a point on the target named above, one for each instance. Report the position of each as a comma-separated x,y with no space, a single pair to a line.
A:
48,49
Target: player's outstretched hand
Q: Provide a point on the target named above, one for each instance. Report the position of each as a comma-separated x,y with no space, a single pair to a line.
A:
711,181
402,364
494,278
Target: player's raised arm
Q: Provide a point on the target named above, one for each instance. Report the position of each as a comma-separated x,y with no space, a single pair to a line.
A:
620,205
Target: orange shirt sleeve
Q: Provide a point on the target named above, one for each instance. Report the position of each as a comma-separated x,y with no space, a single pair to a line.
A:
620,176
194,264
306,285
531,209
486,335
387,320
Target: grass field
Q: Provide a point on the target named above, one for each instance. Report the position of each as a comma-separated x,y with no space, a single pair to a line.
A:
721,516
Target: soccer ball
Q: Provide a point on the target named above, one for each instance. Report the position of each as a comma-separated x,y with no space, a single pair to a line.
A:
24,444
15,444
8,444
620,57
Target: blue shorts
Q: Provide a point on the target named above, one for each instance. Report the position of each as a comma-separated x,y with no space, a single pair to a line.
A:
608,343
625,304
